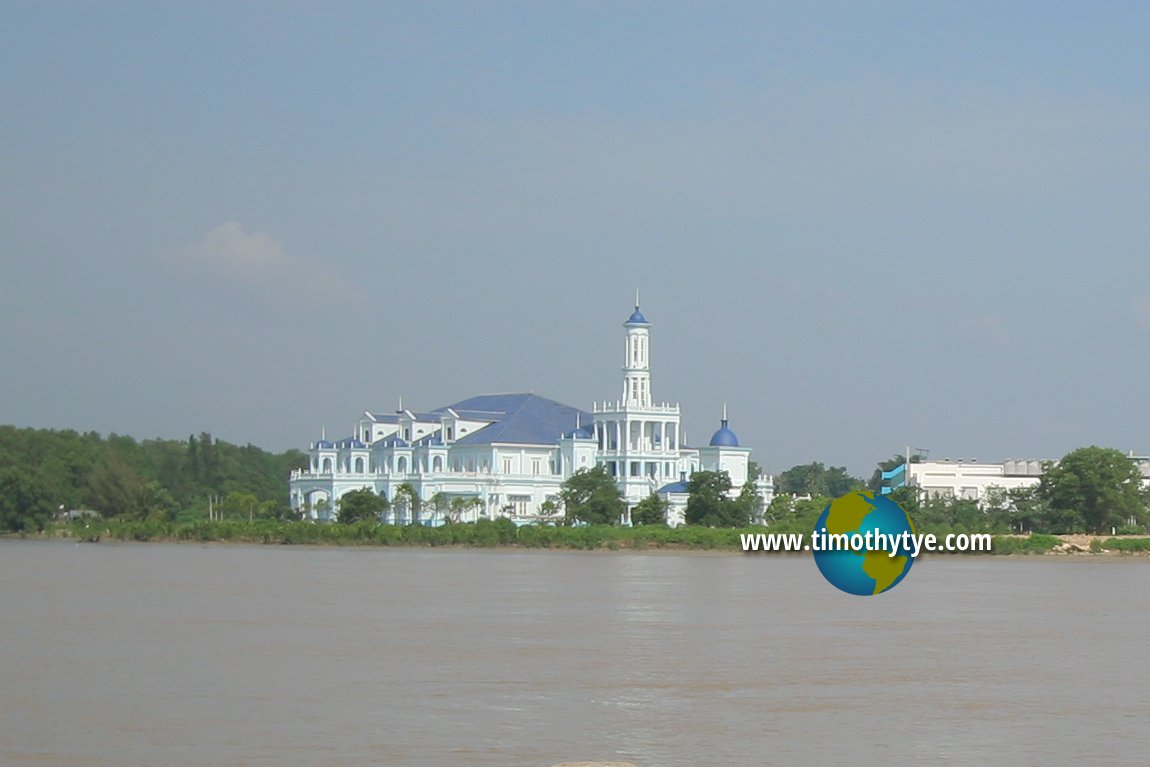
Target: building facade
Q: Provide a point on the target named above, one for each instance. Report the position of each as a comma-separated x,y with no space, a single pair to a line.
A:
975,481
507,455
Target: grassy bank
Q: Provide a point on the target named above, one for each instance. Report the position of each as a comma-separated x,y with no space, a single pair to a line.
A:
483,534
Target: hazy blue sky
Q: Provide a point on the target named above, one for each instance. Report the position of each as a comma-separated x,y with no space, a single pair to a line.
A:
863,225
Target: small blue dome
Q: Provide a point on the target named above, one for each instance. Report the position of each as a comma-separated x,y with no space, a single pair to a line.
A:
580,433
394,441
636,318
724,437
324,444
352,443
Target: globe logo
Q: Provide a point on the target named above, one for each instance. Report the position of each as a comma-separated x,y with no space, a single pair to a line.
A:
849,550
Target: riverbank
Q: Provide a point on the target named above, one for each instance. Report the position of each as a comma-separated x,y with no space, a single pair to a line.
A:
504,534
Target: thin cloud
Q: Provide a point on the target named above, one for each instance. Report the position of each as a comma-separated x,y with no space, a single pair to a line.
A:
259,262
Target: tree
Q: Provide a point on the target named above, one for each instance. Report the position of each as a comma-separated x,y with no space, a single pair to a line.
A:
237,505
115,488
155,502
708,503
440,504
359,505
790,513
875,484
750,503
591,496
549,508
26,501
407,501
1100,485
815,479
461,507
652,510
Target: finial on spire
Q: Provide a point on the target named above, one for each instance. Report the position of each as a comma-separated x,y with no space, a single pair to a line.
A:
577,424
323,432
636,298
724,414
400,404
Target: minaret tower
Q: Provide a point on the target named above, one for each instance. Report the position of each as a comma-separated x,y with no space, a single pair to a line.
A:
637,441
637,365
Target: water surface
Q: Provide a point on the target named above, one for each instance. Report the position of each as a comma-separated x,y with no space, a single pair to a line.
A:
125,655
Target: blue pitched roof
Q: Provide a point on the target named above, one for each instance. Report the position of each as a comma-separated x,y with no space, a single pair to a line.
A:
674,487
478,415
434,438
521,419
385,417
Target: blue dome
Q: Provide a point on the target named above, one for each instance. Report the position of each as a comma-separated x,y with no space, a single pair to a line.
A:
724,437
353,443
636,318
324,444
580,434
394,441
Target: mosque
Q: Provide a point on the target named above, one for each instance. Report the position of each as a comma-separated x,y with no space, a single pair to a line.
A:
507,455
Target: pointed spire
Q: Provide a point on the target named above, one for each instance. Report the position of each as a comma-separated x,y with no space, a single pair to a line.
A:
724,414
323,432
400,404
577,424
636,299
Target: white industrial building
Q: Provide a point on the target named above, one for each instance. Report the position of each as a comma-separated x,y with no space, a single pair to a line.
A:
972,480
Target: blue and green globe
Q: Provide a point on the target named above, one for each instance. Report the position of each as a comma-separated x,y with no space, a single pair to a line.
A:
868,571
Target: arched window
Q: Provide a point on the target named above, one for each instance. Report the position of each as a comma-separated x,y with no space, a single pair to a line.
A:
437,464
359,466
401,466
327,466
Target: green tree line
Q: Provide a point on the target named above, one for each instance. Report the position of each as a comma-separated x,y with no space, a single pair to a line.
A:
44,471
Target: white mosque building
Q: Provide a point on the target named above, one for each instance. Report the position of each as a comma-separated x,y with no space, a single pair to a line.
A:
507,455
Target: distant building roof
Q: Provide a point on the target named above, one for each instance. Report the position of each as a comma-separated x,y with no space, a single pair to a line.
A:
434,438
674,487
522,419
